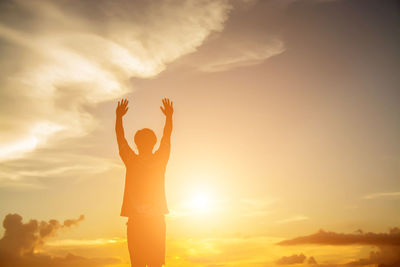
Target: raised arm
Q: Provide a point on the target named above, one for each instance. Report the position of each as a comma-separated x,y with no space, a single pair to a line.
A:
123,147
165,144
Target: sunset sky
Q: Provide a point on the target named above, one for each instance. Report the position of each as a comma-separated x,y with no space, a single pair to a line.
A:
286,139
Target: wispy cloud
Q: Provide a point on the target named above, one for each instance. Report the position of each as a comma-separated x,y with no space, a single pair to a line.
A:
83,242
383,195
243,54
226,251
255,207
296,218
58,59
28,173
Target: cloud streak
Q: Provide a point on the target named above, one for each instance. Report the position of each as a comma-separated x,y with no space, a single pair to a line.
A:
297,218
242,54
382,195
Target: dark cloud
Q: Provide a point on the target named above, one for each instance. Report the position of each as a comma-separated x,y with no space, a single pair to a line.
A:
21,241
392,238
311,260
388,245
21,238
70,222
44,260
385,256
396,264
294,259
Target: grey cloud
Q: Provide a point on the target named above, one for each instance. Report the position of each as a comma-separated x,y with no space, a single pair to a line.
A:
388,245
294,259
21,238
20,242
385,256
392,238
311,260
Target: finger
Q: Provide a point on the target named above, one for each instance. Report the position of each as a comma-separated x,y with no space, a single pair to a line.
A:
163,110
172,104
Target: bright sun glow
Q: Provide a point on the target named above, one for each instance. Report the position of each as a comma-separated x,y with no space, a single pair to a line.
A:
201,202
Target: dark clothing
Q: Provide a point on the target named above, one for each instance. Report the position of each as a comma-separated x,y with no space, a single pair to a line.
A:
146,240
144,182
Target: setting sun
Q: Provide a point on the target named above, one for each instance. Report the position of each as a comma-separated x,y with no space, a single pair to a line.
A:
201,203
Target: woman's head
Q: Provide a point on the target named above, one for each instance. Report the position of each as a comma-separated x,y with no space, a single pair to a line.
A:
145,139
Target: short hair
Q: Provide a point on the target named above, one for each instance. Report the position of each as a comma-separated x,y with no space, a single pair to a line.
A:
145,138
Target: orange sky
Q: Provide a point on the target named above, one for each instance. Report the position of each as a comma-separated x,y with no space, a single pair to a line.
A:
286,122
